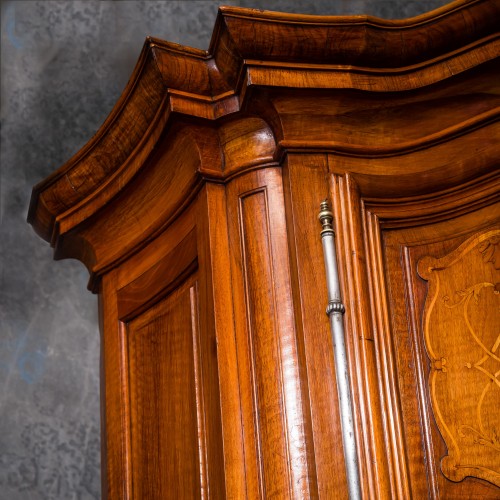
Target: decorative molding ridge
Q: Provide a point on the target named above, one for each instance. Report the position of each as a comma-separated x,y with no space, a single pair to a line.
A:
353,40
341,50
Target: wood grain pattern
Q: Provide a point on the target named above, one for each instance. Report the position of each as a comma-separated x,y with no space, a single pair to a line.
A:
267,345
167,425
464,384
407,54
194,209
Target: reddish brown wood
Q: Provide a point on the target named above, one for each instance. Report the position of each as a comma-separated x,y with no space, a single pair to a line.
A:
194,208
167,438
314,337
404,249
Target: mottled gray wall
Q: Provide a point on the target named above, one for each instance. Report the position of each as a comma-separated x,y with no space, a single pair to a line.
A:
63,66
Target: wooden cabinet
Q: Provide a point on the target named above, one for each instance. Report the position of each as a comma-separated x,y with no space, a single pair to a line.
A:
195,210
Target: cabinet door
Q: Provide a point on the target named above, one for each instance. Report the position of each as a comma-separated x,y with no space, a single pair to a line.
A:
161,370
420,277
443,281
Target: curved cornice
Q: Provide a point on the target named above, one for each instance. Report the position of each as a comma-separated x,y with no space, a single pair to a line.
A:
249,49
363,41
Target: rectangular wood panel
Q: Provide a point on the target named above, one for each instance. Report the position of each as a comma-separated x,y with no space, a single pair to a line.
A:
167,428
264,349
278,442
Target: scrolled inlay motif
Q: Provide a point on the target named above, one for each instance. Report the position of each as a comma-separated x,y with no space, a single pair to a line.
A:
462,337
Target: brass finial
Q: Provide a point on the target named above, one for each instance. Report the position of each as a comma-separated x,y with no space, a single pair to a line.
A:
325,216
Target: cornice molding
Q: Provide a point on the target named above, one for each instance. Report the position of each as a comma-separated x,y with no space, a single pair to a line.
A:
253,49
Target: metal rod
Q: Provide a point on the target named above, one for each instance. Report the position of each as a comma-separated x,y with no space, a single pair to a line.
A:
335,311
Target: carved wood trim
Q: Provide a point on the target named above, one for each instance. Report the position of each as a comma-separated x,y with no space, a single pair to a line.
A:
360,244
381,216
362,52
385,356
360,343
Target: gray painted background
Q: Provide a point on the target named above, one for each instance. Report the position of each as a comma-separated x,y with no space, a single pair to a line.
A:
63,66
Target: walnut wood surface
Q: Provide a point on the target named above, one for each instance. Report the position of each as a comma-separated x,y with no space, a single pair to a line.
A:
461,327
194,208
253,48
167,416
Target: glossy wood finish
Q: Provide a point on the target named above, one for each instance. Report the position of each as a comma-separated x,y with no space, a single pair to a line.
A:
195,210
461,328
406,250
167,414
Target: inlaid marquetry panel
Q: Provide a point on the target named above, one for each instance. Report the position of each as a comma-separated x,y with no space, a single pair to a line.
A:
461,326
167,428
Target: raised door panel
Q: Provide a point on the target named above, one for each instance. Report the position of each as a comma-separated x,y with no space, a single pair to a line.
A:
161,367
461,328
280,462
167,427
444,314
